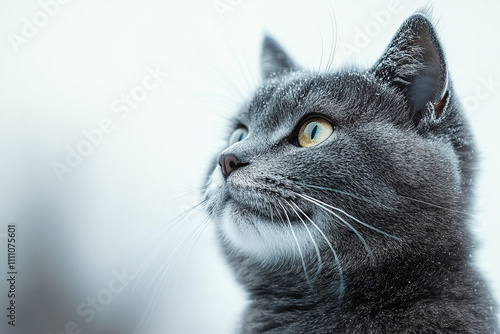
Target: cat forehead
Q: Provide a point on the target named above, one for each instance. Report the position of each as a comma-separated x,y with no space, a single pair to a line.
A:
297,94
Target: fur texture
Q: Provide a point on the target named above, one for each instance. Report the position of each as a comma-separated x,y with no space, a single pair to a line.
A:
365,232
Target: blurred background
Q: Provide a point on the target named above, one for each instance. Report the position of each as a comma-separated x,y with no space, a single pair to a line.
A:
111,113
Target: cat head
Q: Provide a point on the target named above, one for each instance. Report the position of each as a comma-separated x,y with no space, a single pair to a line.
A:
356,163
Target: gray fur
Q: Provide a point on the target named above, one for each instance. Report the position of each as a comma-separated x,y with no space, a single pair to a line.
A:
401,160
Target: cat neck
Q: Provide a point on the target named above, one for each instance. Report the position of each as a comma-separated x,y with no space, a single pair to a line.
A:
282,299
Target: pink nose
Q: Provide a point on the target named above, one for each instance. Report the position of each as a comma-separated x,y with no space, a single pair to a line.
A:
228,164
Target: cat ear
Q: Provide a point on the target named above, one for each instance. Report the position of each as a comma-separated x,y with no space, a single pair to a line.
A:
414,63
274,60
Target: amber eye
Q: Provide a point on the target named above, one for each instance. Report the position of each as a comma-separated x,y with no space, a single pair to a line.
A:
238,135
313,132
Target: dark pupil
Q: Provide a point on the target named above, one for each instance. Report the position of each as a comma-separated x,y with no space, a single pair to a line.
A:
313,132
240,138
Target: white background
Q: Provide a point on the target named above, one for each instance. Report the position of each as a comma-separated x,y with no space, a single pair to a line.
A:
65,78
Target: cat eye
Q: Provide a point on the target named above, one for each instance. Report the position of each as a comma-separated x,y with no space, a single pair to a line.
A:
313,132
238,135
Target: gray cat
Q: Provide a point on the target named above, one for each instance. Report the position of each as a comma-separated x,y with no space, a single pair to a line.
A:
342,200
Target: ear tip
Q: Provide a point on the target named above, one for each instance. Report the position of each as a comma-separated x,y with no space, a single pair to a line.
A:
269,42
420,19
274,60
267,36
419,15
420,23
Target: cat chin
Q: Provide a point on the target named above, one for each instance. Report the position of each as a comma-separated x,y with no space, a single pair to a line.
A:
264,239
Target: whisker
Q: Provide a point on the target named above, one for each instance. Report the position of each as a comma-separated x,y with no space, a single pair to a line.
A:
322,49
165,229
178,249
434,205
175,225
341,274
360,237
182,254
218,100
167,232
166,268
343,193
225,82
187,193
318,254
334,27
353,218
297,243
381,204
251,86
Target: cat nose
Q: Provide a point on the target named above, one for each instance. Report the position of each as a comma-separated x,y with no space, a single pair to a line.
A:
229,163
